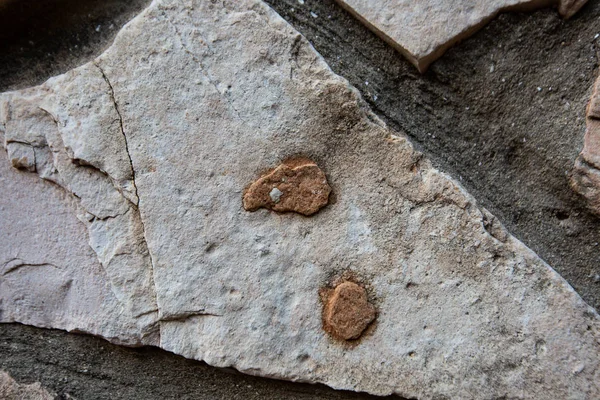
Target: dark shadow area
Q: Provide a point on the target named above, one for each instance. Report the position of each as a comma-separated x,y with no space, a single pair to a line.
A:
503,112
86,367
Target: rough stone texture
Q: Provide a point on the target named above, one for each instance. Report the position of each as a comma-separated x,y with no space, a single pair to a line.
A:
463,312
422,31
585,177
503,112
347,311
296,185
11,390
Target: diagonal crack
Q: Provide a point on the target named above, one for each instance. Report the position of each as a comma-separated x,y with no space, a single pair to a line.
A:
183,316
114,100
133,174
20,265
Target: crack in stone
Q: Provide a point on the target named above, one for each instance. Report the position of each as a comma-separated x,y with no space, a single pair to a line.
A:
20,265
133,174
85,164
294,54
181,317
116,106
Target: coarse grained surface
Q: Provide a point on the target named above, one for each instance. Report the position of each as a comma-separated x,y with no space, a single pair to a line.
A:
89,368
299,188
504,112
247,283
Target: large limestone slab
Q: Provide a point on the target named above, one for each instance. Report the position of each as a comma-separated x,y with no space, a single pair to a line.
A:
423,30
199,100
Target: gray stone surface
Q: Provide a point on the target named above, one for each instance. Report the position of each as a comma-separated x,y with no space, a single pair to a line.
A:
463,311
423,30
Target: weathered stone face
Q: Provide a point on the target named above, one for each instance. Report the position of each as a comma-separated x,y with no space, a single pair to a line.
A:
585,177
141,160
423,30
297,185
347,311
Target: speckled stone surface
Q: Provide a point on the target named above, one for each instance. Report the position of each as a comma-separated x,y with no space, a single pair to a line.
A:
132,226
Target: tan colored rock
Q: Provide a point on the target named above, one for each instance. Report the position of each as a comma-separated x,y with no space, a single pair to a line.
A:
11,390
593,108
591,143
297,185
568,8
347,311
585,177
423,30
585,180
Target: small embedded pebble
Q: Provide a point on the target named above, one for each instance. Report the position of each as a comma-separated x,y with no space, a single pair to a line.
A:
275,195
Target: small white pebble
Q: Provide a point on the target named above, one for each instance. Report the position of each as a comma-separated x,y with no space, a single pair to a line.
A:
98,28
275,195
596,36
539,89
578,368
301,1
366,83
312,14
